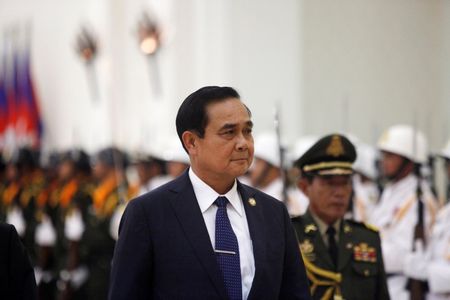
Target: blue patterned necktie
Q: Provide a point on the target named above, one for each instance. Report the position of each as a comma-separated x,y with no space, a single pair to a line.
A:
227,251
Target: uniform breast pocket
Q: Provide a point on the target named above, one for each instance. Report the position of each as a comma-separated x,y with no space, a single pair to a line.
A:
364,277
365,270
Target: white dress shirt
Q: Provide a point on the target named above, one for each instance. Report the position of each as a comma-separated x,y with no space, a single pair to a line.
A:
236,213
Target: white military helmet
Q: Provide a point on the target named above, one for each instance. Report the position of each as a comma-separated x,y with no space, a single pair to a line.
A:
175,151
366,160
266,148
446,151
405,141
302,145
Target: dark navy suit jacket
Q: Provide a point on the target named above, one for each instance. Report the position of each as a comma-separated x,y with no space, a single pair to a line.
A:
164,250
16,273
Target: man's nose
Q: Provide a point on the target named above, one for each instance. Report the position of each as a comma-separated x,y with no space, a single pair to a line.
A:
242,142
340,189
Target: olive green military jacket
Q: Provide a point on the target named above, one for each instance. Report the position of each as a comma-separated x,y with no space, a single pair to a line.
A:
360,272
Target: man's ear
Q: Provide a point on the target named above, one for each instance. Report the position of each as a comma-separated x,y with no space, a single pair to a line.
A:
190,141
303,184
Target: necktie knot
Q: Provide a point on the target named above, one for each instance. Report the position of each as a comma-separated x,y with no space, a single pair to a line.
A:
331,231
221,202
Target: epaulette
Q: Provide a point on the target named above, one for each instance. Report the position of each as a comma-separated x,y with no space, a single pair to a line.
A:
371,227
364,224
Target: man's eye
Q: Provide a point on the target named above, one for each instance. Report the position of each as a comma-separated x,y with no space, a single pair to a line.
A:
248,131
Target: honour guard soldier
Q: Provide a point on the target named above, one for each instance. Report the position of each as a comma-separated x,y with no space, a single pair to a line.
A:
266,172
75,196
433,263
97,242
406,201
343,258
365,188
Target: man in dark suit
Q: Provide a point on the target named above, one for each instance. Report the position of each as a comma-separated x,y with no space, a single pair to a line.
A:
16,273
205,235
343,258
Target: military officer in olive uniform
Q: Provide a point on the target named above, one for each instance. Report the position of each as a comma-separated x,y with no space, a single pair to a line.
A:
343,258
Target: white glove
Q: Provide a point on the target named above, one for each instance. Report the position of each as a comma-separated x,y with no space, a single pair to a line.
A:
79,276
38,275
115,222
45,232
416,263
15,217
76,277
74,226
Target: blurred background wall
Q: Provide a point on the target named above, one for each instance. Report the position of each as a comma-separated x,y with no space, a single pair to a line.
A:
351,66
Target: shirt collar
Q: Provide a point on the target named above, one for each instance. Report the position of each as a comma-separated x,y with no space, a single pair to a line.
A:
206,195
324,226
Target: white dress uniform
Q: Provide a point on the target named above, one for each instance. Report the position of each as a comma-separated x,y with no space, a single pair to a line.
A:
365,199
433,265
274,189
297,202
396,216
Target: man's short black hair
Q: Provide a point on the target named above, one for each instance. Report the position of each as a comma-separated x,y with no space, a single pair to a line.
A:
192,112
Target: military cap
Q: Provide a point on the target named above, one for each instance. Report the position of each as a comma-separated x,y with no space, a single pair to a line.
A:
24,157
79,157
111,157
333,154
141,158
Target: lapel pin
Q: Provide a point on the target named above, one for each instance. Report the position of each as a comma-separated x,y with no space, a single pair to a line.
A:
349,246
252,201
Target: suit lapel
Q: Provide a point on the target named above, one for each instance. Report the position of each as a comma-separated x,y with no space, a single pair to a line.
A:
191,220
256,223
345,245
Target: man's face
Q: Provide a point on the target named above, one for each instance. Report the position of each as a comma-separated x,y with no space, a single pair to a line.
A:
143,171
226,150
390,163
329,196
100,170
66,170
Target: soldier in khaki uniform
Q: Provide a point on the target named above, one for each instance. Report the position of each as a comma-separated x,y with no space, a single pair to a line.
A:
343,258
97,242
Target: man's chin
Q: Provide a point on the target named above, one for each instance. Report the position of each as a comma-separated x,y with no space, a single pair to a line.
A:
241,170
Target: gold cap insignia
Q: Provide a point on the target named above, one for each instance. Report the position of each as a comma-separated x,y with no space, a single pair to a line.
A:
310,227
252,201
335,148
